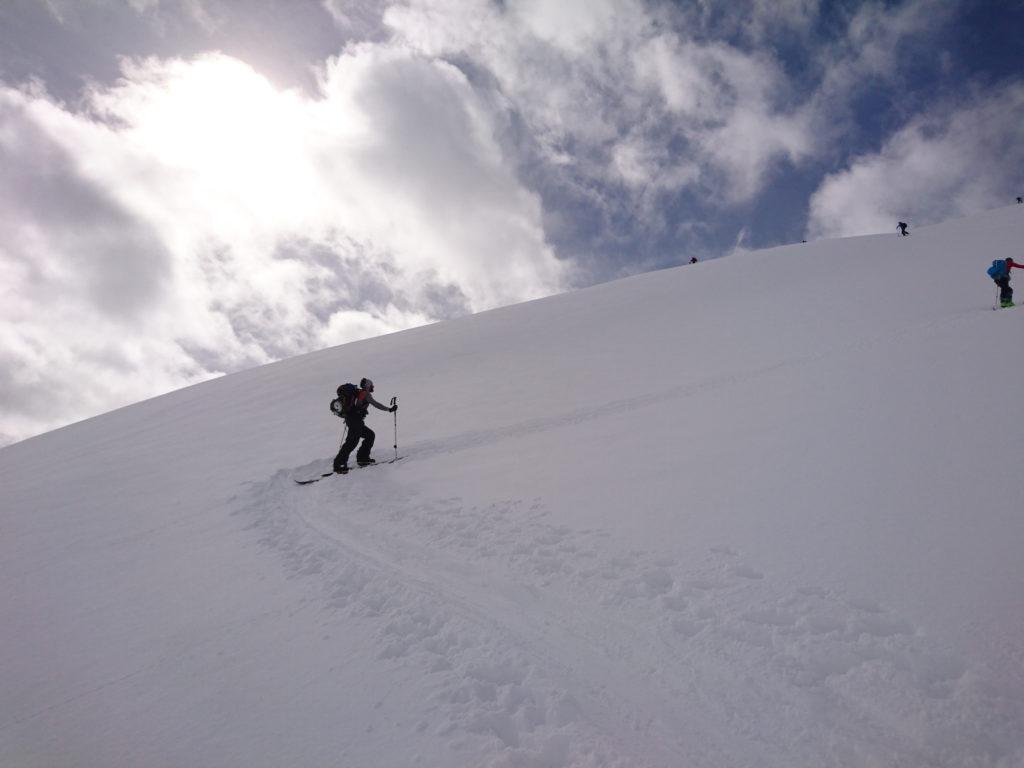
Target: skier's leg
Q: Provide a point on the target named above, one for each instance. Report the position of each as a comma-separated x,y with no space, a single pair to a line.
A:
1005,292
363,454
341,460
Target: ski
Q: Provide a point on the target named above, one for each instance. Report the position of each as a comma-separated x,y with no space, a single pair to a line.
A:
328,474
314,479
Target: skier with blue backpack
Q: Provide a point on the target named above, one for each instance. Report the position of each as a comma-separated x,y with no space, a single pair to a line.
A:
352,405
1000,273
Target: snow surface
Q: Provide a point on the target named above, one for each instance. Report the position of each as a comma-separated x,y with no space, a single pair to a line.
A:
761,511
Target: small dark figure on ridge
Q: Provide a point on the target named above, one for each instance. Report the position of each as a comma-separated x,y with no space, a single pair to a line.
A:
902,227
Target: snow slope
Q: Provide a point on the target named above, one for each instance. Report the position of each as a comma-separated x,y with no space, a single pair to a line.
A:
761,511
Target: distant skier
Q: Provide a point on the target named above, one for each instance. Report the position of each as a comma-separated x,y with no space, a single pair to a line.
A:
1020,200
902,227
355,416
1000,273
693,259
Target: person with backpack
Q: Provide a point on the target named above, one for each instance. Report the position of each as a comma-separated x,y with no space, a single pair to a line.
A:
902,227
1000,273
352,405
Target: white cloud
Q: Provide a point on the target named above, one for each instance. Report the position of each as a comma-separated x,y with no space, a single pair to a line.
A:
875,39
574,27
613,83
724,102
948,162
193,219
646,164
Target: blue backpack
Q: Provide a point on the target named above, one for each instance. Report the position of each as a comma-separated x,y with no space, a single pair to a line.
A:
998,269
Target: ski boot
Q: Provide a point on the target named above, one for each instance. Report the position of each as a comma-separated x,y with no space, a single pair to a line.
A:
365,462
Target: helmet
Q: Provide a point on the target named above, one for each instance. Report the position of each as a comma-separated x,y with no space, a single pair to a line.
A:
366,384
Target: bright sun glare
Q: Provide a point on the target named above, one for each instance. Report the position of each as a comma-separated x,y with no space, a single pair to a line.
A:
242,140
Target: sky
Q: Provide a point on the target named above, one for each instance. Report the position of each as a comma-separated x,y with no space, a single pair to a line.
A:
194,187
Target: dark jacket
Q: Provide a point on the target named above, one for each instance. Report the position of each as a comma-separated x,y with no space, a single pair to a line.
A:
361,406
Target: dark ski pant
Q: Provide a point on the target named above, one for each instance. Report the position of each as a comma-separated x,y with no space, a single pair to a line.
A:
356,430
1005,291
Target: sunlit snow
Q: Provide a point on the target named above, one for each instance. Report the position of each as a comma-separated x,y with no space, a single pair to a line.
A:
766,511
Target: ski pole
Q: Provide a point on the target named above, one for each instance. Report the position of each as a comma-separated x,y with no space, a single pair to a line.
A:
394,403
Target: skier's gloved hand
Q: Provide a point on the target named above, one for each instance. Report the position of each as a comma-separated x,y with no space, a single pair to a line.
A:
393,408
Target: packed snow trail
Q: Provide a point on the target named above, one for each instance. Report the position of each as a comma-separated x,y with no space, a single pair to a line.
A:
549,646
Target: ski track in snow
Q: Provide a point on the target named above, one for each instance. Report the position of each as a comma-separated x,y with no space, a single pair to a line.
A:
479,630
692,663
477,438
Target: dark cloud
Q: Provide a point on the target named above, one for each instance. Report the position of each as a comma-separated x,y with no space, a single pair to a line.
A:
337,276
21,388
69,43
445,301
117,262
354,276
359,19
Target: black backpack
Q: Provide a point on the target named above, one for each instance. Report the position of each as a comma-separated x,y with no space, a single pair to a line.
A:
341,406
